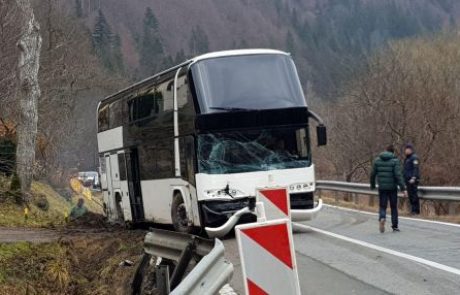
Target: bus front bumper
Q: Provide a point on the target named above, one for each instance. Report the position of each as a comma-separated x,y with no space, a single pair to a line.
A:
225,228
306,214
296,215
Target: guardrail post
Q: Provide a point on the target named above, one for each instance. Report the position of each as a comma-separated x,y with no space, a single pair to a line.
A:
182,265
453,208
162,279
371,201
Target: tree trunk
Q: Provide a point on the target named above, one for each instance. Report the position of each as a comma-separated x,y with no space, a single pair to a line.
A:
29,46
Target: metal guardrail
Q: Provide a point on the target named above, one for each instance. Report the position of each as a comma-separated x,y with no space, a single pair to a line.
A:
170,245
180,252
439,193
208,276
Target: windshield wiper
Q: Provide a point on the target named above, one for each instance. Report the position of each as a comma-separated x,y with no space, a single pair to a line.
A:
230,109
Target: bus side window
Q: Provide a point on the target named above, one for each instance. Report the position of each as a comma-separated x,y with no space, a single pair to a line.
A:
144,107
187,158
115,114
103,118
165,163
122,166
185,106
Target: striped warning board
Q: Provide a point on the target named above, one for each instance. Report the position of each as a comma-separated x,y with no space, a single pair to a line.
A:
276,202
268,258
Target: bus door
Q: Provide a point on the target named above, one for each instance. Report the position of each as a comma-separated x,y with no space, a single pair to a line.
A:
111,206
134,185
116,194
124,187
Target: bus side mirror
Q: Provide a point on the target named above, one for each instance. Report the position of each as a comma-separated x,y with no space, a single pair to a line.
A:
321,135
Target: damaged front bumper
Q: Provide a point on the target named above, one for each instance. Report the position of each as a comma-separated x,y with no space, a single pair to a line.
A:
249,213
225,228
220,217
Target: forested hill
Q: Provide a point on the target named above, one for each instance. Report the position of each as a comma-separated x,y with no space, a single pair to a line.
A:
92,48
326,37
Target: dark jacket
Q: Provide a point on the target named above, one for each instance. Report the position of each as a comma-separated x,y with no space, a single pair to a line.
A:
387,171
411,168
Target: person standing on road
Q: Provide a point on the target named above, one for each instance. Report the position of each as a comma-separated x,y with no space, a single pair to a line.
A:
412,177
386,172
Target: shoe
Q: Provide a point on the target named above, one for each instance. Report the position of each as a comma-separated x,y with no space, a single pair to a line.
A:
382,225
395,229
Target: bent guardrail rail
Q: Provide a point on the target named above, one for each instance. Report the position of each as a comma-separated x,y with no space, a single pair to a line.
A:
180,251
170,245
438,193
208,276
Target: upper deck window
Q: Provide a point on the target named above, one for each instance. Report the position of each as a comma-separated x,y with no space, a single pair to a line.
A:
103,118
265,81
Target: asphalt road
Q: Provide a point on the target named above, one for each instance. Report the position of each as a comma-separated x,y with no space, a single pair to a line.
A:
11,235
342,252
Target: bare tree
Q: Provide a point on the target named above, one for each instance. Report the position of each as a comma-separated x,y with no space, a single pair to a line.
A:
407,93
72,81
29,46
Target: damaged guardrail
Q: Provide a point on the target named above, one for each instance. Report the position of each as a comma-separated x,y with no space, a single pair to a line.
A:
425,192
176,253
208,276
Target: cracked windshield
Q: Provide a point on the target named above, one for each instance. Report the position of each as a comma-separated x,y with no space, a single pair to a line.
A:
253,150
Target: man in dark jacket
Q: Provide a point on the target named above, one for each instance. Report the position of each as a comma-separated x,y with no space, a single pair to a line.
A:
386,171
412,177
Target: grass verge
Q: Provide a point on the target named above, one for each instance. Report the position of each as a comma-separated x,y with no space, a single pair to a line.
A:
78,264
12,214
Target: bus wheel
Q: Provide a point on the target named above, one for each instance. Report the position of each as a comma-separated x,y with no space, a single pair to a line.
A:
179,215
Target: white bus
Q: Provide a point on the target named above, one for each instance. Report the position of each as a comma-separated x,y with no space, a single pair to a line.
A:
190,145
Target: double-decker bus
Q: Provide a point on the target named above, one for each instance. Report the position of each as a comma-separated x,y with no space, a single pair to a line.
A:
190,145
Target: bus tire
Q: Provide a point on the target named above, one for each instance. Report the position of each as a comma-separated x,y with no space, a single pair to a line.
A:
179,214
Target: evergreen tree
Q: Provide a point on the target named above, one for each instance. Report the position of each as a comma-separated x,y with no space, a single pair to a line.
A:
78,9
107,44
180,57
150,20
290,43
116,54
151,50
199,42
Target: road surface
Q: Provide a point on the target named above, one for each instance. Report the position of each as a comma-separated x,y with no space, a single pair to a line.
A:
33,235
43,235
342,252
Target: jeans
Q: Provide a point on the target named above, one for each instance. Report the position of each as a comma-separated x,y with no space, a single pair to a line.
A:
413,198
384,197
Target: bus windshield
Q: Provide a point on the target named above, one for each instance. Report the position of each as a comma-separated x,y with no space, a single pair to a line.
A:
253,150
248,82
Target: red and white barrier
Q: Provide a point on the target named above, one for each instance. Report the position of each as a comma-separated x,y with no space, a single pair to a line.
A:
276,202
268,258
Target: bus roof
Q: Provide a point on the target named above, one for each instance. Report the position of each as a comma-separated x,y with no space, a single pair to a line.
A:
216,54
236,52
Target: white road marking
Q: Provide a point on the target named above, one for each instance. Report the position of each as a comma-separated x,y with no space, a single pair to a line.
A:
400,217
382,249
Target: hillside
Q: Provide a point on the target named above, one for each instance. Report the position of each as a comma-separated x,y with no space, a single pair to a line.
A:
93,48
325,37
